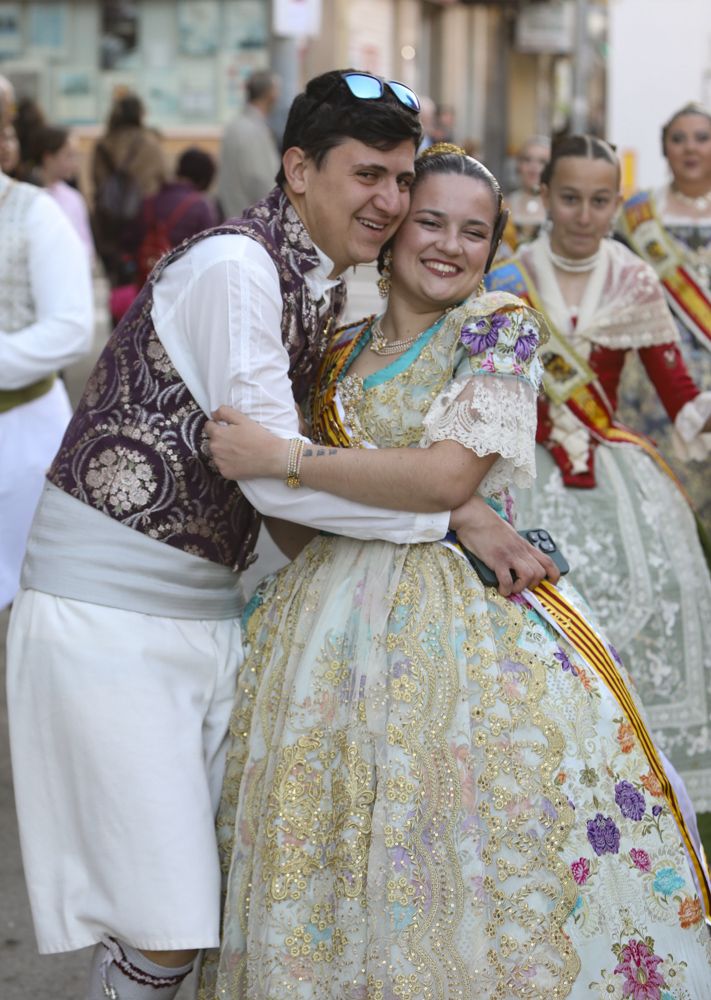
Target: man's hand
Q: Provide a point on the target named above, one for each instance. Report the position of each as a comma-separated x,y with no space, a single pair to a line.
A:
243,449
496,543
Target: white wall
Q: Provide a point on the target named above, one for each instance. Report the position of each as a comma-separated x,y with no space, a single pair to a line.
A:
659,59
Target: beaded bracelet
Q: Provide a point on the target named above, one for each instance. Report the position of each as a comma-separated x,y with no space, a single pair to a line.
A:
293,464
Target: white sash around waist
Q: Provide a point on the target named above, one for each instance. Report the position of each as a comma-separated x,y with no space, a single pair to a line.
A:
77,552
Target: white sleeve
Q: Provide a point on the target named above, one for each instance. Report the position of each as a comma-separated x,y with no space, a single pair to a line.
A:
60,283
233,288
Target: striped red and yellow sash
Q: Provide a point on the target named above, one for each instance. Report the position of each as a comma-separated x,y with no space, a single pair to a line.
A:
326,423
567,620
650,240
586,399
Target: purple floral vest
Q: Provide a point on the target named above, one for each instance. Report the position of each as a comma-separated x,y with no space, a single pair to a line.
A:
136,448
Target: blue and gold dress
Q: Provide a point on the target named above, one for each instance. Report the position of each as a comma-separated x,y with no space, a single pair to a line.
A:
430,793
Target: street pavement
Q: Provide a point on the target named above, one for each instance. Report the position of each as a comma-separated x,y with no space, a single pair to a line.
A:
24,975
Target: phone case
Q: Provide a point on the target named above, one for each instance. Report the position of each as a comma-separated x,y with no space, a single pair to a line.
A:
536,536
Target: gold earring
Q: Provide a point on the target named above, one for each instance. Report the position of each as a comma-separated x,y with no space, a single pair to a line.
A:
482,288
384,279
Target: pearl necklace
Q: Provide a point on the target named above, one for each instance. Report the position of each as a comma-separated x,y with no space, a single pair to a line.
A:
701,203
379,343
570,265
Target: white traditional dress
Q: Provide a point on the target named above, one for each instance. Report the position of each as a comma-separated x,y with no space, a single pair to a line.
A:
682,241
622,522
430,793
46,323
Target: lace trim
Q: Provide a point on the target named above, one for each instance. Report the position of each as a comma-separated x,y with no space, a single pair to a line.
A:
688,438
499,417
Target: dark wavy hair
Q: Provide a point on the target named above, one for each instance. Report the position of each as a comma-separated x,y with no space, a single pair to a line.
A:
450,162
327,114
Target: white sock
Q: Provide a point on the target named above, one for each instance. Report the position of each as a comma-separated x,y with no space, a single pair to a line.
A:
120,972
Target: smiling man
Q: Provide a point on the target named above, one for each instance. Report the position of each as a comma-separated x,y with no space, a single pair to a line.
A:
125,637
124,643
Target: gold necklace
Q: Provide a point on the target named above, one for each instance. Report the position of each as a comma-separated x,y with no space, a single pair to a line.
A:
379,344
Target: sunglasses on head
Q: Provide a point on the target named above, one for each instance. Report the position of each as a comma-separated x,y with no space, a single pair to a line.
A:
367,87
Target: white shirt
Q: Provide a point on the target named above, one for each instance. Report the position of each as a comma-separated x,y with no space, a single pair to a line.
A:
60,284
217,311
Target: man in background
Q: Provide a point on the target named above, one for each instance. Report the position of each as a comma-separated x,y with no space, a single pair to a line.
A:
249,158
46,323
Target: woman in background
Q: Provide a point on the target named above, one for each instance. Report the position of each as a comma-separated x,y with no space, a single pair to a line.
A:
127,166
525,204
618,513
57,163
671,229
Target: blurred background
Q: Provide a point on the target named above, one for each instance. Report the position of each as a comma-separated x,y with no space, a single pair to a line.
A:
497,71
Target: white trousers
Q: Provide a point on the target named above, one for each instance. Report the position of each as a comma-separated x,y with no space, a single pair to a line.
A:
118,728
29,438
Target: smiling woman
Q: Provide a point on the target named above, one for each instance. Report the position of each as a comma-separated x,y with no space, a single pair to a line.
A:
403,813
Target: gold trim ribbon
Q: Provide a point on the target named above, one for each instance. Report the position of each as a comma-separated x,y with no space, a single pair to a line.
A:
567,620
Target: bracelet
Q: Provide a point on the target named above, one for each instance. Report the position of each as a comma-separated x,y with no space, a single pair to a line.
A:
293,464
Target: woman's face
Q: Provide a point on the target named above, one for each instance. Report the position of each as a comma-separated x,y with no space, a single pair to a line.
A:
688,149
531,161
62,165
581,198
441,249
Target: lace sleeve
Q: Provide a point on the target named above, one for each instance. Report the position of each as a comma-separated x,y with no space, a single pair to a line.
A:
489,413
490,404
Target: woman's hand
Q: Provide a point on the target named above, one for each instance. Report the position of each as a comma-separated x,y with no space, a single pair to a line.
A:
501,548
243,449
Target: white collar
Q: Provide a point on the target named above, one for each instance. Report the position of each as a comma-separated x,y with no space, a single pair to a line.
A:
317,278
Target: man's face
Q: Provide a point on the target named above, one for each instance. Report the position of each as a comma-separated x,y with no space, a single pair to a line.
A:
355,200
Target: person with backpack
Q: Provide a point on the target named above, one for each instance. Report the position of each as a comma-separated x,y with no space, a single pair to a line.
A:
179,210
128,165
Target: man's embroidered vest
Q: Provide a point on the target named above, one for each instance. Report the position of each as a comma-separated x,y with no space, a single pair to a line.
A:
136,448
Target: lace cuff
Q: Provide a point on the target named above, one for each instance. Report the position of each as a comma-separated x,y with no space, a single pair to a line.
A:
687,437
487,414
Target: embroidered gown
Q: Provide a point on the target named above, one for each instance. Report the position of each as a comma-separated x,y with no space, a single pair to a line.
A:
429,794
623,525
640,406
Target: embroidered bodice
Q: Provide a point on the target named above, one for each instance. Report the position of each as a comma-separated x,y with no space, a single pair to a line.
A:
472,377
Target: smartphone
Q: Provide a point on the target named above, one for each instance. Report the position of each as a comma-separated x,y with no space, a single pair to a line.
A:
536,536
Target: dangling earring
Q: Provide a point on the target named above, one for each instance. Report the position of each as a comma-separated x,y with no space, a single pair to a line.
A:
384,279
481,289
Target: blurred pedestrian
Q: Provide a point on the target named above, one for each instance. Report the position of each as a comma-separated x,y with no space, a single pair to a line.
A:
180,209
670,228
444,123
28,120
9,150
428,120
57,161
249,158
45,324
128,165
528,212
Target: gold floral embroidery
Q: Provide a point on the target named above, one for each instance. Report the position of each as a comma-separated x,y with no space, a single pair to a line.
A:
306,832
